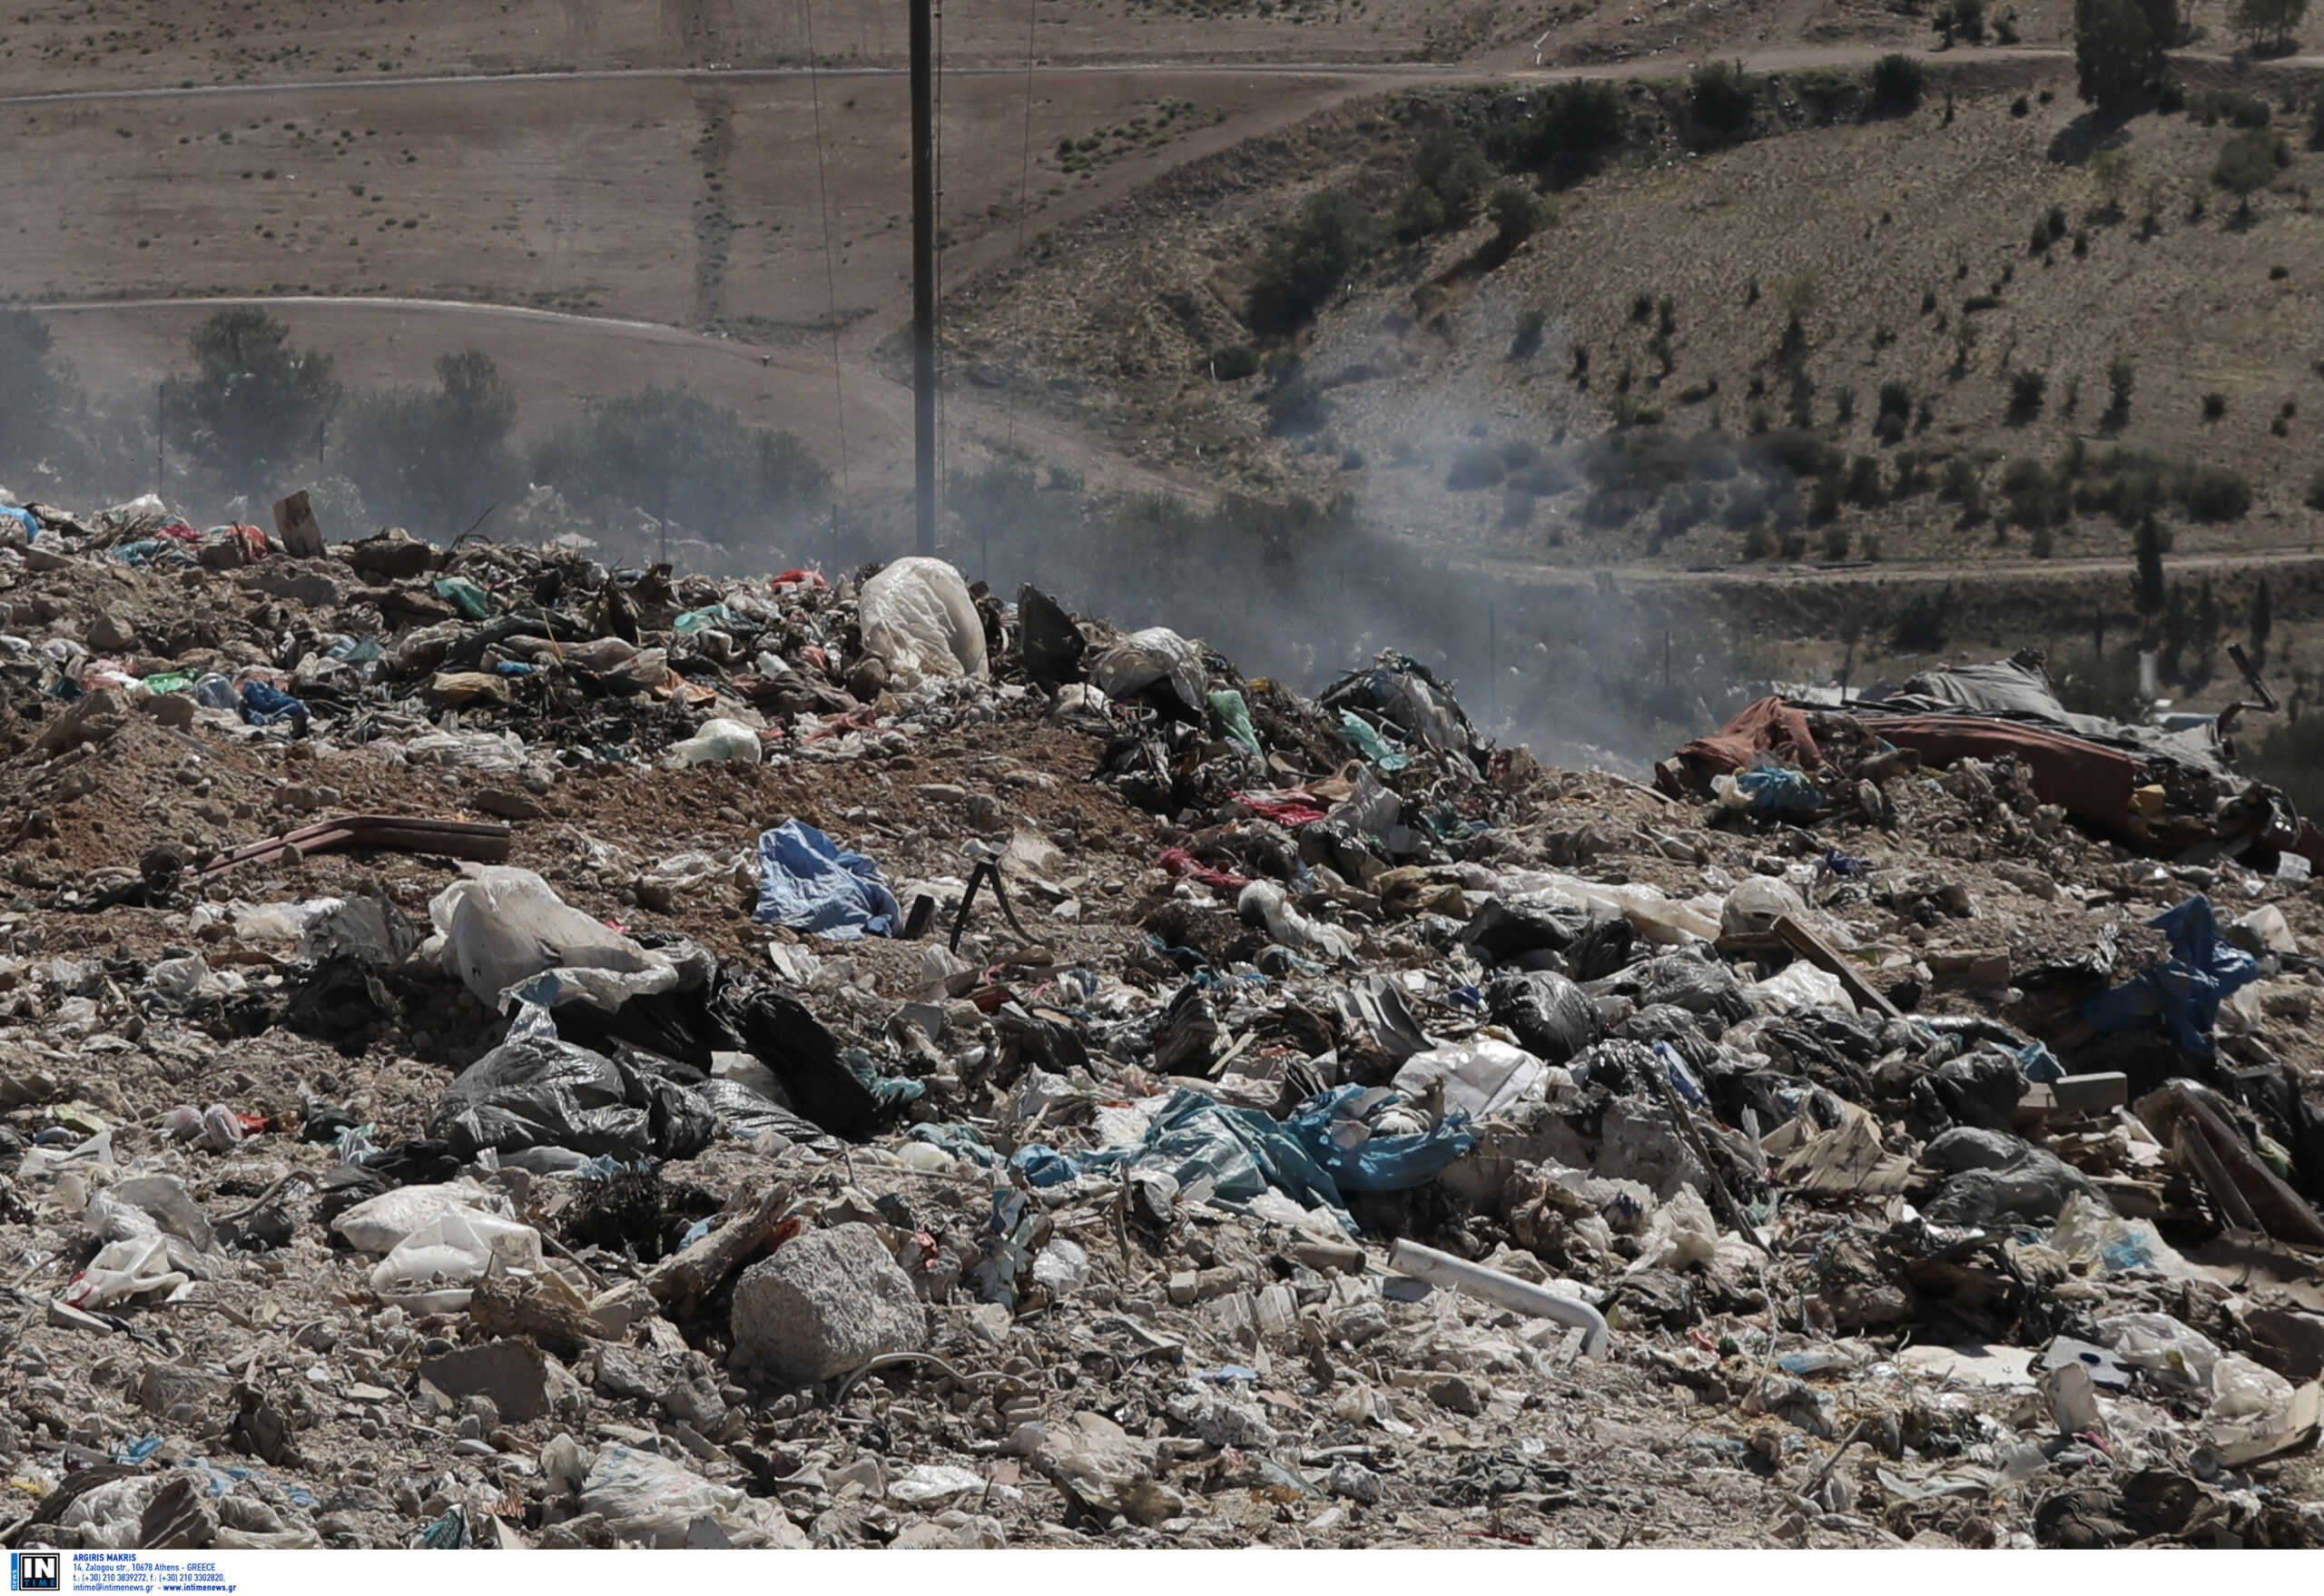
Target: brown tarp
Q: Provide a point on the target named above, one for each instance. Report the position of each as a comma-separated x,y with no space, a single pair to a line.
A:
2091,784
1769,726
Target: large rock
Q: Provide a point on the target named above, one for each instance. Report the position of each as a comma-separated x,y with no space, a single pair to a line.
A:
829,1301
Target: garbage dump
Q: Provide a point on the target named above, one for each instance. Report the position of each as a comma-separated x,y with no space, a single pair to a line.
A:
501,1051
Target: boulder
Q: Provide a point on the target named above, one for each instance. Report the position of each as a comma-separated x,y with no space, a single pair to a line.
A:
827,1302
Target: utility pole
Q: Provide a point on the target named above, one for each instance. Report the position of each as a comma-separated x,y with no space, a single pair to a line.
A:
923,272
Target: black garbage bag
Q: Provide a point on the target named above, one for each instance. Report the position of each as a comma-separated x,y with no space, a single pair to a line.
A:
1552,1017
1604,947
534,1090
1049,643
1980,1089
1667,1022
1511,925
807,1061
1699,985
1997,1176
745,1113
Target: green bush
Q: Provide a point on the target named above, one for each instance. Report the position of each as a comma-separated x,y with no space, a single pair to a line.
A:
1474,468
1517,215
1719,97
1306,261
435,459
255,407
1568,134
2026,389
1234,362
1897,83
2214,493
2316,491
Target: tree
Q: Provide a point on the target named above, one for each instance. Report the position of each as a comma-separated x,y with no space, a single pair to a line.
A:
38,399
2146,586
2121,375
1897,83
254,405
2118,51
2247,164
435,460
1720,96
672,454
2263,620
2269,24
1305,263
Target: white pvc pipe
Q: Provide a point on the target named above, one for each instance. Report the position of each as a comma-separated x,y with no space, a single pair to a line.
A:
1425,1263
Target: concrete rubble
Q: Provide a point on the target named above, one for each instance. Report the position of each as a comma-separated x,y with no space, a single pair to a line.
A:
499,1053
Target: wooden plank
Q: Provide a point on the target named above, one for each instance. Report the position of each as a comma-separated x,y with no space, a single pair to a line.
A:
1805,942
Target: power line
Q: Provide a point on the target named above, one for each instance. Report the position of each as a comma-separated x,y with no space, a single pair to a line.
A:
831,271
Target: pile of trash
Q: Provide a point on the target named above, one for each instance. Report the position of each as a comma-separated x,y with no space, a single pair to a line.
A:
498,1051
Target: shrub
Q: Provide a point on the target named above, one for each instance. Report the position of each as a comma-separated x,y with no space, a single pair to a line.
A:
1863,486
1568,134
1897,83
2316,491
1527,340
2121,375
1475,468
2217,494
2026,389
435,459
1719,97
2246,164
2214,407
1306,262
1517,215
2036,498
1234,362
255,404
700,463
1896,411
1450,175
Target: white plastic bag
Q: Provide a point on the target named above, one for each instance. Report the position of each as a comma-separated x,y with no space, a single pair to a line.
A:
1800,985
1483,1077
2241,1389
1290,928
917,617
718,742
650,1500
435,1268
1757,904
502,926
1155,654
2176,1353
135,1269
377,1225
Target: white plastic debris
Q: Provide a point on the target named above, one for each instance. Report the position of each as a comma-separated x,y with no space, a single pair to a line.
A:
917,618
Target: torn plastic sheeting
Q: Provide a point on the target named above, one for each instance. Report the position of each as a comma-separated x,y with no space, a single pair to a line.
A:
917,617
1370,744
1551,1017
1180,865
534,1090
503,929
1356,1158
1477,1078
811,884
1241,1152
838,1090
1143,658
1291,808
2183,994
1236,716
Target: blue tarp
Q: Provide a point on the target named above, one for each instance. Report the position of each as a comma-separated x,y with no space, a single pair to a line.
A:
2183,994
810,884
1241,1151
1379,1163
23,518
265,706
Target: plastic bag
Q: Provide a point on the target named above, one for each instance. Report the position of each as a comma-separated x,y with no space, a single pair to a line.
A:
502,927
2241,1389
2091,1236
1236,716
1801,985
917,617
1143,658
1757,904
435,1268
719,741
377,1225
1335,1128
648,1499
1479,1078
1681,1234
1551,1015
537,1090
1265,901
136,1268
1513,924
1368,741
2174,1353
810,884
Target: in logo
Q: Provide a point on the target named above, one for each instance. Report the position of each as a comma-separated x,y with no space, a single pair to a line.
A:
35,1571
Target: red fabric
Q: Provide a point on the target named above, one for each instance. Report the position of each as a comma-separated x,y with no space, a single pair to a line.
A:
253,541
811,578
1181,865
2091,784
1285,809
179,530
1767,726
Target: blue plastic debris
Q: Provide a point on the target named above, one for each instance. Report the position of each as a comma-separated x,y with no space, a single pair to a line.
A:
266,706
1769,788
2183,994
811,884
1375,1163
2039,1063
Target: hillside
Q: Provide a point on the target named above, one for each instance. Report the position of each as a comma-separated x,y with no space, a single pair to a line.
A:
1451,398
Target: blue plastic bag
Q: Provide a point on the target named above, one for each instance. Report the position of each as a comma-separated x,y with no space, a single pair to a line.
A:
1769,788
2181,994
1378,1163
265,706
811,884
1241,1151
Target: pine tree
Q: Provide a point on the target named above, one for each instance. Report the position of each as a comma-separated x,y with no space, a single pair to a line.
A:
2263,621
